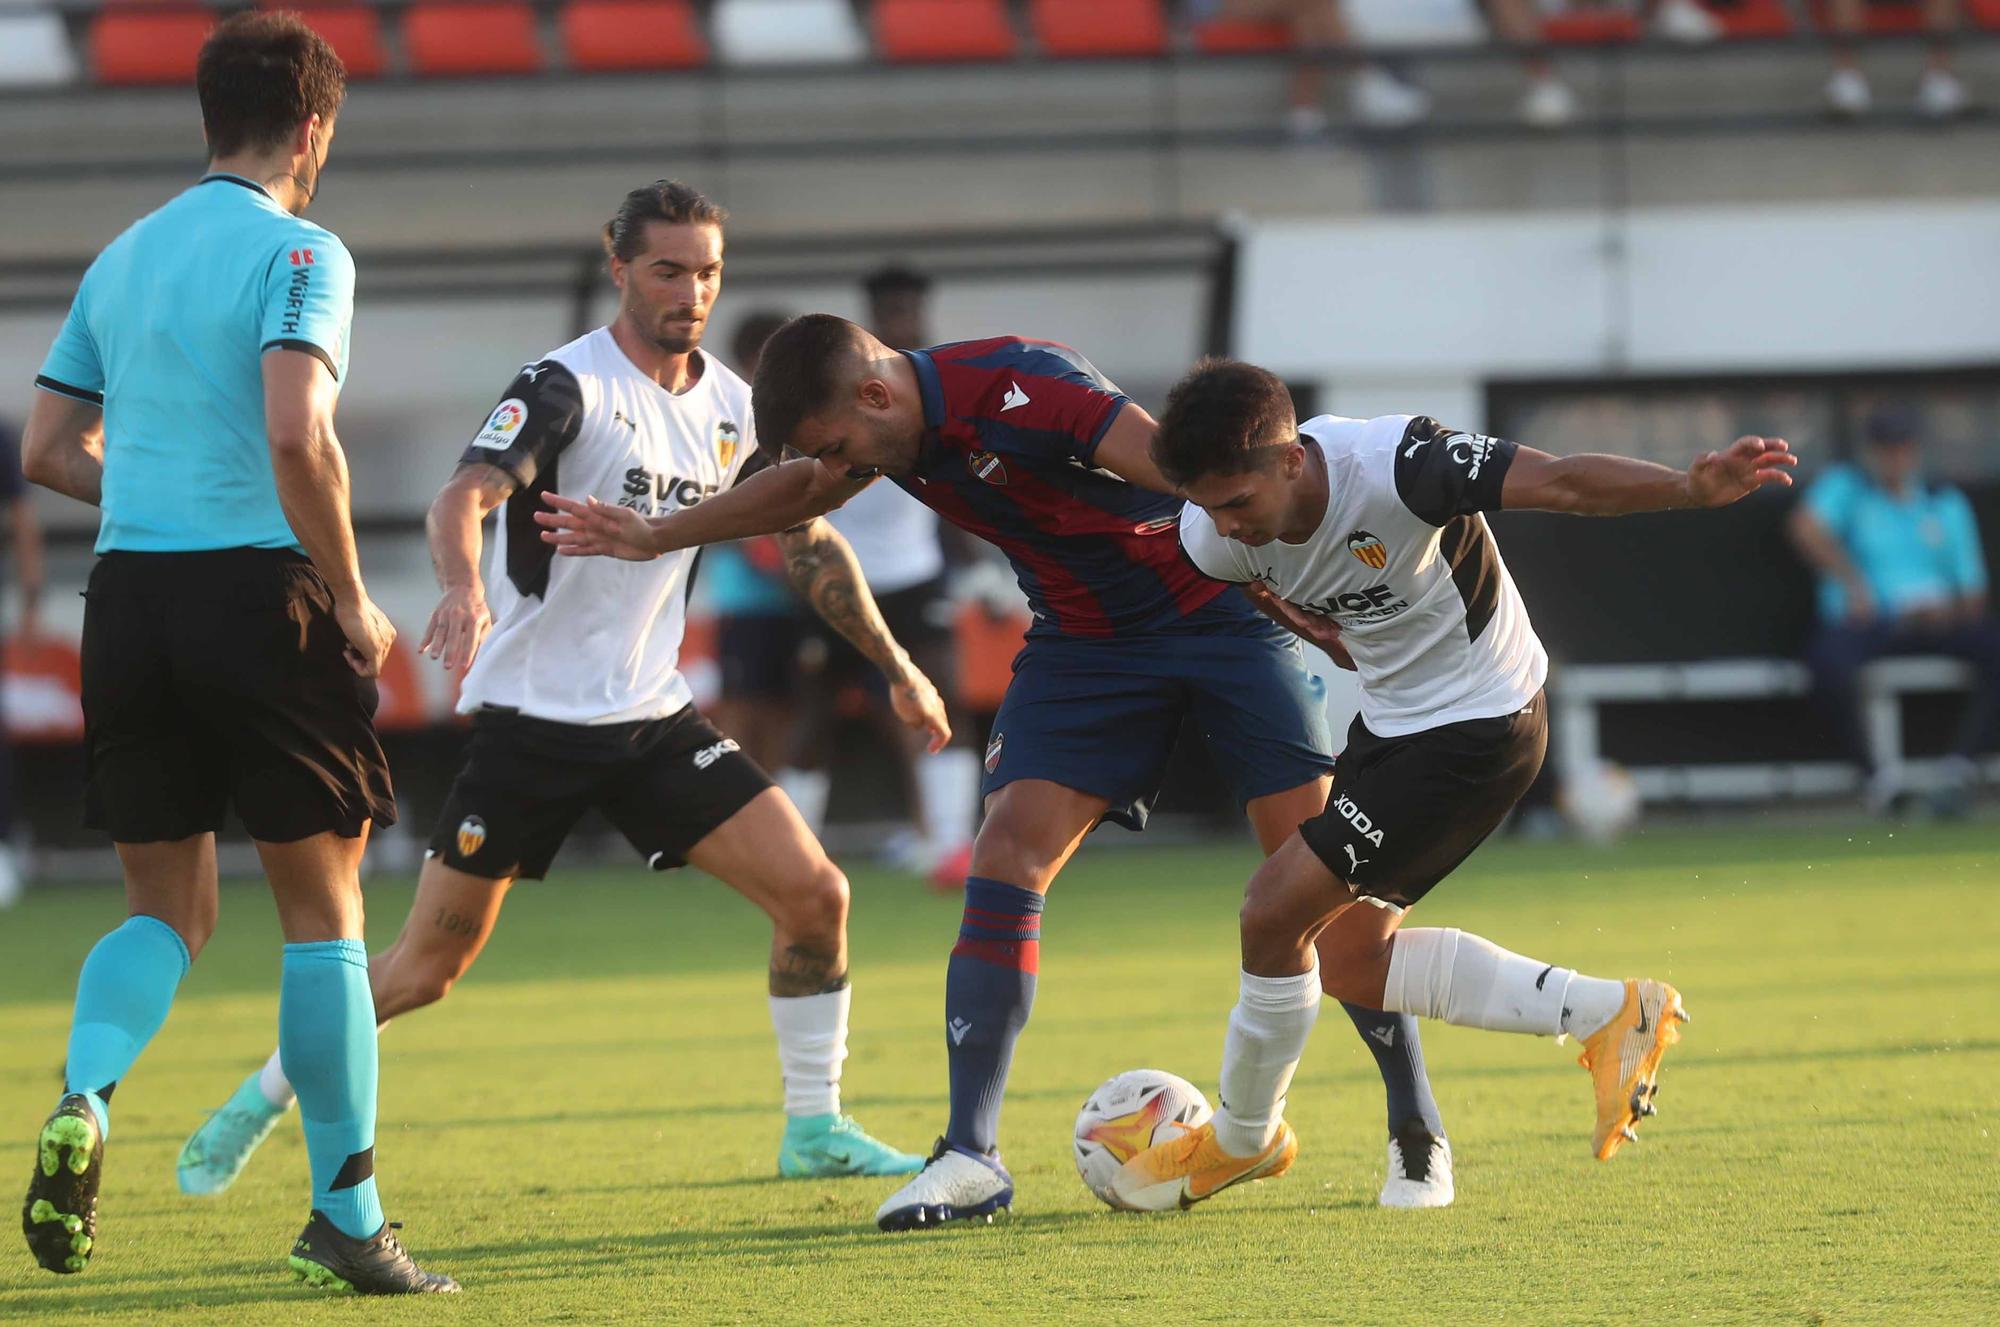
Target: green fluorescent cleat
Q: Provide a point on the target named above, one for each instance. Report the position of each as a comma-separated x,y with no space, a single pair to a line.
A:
60,1215
823,1146
216,1154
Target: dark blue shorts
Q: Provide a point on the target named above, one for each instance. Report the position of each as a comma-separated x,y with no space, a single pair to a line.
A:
1100,716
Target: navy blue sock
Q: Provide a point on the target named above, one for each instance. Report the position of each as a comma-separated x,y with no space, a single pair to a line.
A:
1399,1053
988,989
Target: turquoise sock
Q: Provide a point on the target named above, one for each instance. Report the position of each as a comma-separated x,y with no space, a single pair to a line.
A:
122,997
326,1036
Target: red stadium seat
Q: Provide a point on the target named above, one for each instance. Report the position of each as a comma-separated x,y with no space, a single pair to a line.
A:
402,707
353,30
915,31
479,38
1070,30
1225,36
987,644
44,691
129,45
632,34
1985,13
1588,27
1753,18
1881,21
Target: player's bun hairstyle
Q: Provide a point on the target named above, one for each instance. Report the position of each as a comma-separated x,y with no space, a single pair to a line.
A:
670,201
1222,418
802,373
260,76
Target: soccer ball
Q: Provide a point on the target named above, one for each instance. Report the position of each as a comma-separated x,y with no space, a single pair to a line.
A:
1600,801
1128,1114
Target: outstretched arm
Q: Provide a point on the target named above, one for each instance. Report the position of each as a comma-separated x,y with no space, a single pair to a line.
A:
1593,485
1309,627
822,568
776,499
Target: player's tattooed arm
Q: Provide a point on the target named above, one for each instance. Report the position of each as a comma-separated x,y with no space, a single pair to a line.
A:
1593,485
461,620
823,569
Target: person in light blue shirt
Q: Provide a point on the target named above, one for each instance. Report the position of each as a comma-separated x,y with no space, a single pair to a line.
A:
229,644
1901,572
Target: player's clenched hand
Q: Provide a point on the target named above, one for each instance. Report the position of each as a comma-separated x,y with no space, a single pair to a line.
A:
595,529
1717,479
368,633
918,705
458,627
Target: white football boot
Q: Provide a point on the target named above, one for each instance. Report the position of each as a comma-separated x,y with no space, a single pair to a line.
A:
957,1184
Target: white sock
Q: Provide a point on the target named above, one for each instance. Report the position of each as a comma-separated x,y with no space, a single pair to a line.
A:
949,784
812,1042
1267,1035
277,1088
808,789
1472,982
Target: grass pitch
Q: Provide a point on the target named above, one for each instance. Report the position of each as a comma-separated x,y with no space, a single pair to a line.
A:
586,1131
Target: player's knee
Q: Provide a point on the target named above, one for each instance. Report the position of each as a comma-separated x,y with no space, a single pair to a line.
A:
1006,852
819,906
421,977
1269,919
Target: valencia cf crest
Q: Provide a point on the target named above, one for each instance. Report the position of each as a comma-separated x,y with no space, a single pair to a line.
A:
993,752
471,835
986,466
1369,549
727,438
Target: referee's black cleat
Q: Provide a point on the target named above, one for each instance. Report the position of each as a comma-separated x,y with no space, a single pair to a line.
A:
60,1216
325,1257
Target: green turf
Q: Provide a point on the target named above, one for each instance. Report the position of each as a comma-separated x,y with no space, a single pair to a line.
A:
586,1131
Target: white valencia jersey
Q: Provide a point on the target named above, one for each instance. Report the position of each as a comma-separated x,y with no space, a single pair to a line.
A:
1405,564
598,640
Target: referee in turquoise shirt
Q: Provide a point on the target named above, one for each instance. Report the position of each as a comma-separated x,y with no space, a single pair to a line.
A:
1901,572
229,646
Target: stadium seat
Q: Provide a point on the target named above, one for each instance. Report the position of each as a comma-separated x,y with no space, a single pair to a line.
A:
1984,13
1753,18
1590,27
34,50
1881,20
132,45
353,30
787,32
1067,30
43,690
481,38
922,30
987,644
402,707
632,34
1224,36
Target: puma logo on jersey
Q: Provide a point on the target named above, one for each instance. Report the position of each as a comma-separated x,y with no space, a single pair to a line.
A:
1015,397
1358,818
1354,859
708,755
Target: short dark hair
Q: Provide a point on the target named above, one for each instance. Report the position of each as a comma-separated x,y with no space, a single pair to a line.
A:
757,327
800,375
670,201
895,279
1222,418
260,76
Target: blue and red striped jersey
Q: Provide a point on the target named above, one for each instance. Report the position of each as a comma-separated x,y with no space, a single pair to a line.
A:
1010,429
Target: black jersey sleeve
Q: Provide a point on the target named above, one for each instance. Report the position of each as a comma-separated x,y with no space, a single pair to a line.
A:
1442,473
754,462
541,414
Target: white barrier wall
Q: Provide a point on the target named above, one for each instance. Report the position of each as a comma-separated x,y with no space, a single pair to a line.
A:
1418,313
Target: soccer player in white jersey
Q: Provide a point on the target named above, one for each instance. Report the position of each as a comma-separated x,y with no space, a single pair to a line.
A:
1369,535
576,697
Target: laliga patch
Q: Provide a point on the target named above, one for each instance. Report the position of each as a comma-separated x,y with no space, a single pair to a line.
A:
503,425
1369,548
987,467
993,751
471,835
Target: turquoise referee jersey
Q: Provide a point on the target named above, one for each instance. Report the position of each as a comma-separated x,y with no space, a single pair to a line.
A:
168,332
1916,550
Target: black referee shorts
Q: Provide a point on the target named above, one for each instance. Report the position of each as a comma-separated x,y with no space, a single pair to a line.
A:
665,784
218,679
1405,811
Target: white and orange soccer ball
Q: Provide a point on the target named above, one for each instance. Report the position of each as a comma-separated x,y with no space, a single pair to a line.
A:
1129,1113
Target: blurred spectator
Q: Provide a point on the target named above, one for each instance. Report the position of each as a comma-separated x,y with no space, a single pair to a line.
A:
1940,95
1901,572
896,540
758,627
26,538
